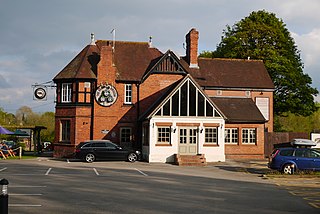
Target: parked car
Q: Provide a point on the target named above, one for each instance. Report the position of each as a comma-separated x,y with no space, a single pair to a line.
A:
290,159
92,150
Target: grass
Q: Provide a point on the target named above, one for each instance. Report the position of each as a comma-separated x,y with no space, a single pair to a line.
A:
275,173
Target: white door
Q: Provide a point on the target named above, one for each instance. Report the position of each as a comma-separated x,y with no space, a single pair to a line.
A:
188,138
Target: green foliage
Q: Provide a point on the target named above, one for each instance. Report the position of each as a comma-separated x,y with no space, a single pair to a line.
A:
263,36
297,123
26,117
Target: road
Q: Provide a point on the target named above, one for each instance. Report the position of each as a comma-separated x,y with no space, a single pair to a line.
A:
45,185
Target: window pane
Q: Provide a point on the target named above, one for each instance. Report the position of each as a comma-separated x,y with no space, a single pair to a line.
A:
211,135
66,92
65,130
175,104
192,99
200,104
166,109
231,135
128,93
163,134
184,102
209,109
125,135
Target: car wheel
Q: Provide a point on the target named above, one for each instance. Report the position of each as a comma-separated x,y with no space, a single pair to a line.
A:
132,157
288,169
90,158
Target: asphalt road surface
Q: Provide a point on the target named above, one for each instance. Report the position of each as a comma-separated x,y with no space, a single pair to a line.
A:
48,186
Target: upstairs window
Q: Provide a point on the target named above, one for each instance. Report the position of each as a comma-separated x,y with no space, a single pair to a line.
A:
128,93
66,92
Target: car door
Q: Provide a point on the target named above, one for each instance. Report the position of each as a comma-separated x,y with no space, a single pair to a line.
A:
115,152
301,159
314,157
99,149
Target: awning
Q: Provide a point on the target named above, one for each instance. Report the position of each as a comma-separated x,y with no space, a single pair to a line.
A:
5,131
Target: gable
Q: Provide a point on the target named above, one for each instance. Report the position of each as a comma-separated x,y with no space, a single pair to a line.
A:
168,63
186,100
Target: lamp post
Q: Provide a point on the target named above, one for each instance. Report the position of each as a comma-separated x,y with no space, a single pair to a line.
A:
4,198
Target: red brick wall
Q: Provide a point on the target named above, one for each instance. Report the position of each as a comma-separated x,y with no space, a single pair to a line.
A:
247,151
253,95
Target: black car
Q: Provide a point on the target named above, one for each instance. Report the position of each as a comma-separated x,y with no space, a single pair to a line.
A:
104,150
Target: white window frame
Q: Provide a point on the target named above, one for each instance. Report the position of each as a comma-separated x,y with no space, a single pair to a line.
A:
211,135
164,135
128,93
249,136
231,135
66,90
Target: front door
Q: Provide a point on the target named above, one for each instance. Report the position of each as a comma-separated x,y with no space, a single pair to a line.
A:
188,138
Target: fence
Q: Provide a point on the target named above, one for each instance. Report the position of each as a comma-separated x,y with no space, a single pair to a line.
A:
272,138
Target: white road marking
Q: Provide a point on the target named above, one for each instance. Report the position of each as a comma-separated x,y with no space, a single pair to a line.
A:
141,172
33,194
24,205
97,173
27,186
48,171
3,169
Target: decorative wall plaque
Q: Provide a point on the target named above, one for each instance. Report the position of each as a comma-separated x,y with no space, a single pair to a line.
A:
106,95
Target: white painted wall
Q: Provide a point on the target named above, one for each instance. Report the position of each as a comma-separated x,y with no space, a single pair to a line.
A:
166,153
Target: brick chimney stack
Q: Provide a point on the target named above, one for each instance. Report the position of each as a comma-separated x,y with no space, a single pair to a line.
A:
192,48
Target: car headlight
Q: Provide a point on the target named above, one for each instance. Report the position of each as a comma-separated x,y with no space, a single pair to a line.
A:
138,152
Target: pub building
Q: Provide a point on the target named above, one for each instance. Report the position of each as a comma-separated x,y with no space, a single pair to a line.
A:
182,109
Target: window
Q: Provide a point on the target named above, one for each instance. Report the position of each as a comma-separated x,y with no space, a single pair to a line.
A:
231,135
65,130
189,101
125,135
164,135
248,136
66,92
128,93
211,135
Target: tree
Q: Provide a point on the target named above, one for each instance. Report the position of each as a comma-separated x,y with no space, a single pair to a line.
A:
263,36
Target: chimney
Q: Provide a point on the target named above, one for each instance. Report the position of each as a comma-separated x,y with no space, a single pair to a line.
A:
192,48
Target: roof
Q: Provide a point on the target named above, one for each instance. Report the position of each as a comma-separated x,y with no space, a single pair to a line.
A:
232,73
239,110
83,66
132,59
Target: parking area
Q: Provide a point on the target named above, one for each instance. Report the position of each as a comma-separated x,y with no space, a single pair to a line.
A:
45,185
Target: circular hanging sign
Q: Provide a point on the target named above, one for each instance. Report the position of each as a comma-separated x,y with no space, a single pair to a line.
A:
106,95
40,93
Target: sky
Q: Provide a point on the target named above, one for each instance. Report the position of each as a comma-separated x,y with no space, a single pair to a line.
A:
38,38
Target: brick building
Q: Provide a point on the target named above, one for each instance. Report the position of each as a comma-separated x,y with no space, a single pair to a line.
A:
136,96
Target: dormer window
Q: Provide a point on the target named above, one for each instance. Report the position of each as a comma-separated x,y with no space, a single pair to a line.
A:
66,89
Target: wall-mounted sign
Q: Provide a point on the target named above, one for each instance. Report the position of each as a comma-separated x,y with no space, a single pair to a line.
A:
40,93
106,95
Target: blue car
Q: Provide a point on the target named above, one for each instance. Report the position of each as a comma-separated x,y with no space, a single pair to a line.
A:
288,160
